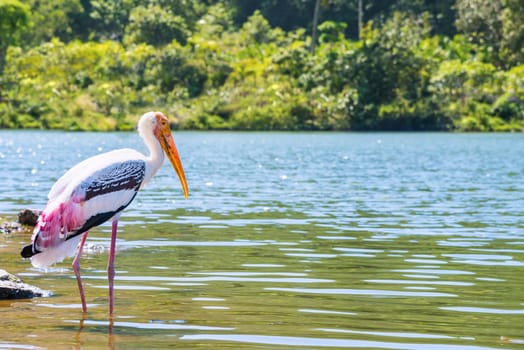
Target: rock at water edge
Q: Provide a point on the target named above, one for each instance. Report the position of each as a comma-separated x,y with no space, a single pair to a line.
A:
12,287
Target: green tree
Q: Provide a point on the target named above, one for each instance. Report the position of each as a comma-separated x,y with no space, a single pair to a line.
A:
509,106
441,13
171,70
480,22
14,18
257,29
466,90
391,76
111,17
216,21
156,26
50,19
512,18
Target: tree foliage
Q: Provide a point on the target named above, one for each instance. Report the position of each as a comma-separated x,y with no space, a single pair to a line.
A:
155,26
418,65
14,17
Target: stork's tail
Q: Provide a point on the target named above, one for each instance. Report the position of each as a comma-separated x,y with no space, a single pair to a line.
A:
45,258
28,251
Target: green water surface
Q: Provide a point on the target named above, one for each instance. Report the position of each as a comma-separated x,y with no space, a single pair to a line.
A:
287,241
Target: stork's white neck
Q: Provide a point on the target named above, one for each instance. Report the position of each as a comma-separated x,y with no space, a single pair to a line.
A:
156,155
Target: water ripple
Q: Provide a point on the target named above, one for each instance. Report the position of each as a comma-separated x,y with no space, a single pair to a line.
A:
7,345
220,278
327,312
442,283
324,342
369,292
483,310
387,334
153,325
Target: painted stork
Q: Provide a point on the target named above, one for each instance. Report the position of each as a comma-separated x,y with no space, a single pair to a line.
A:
96,190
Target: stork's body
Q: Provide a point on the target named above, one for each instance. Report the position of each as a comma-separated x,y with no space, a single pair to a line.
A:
96,190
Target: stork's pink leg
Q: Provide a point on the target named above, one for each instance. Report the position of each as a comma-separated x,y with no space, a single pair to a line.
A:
76,268
111,265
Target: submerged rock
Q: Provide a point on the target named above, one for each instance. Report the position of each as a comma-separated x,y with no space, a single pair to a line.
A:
12,287
28,217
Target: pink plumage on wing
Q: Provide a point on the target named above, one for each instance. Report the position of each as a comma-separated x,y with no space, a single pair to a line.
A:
55,223
52,230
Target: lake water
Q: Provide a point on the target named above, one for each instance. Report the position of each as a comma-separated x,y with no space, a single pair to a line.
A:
287,241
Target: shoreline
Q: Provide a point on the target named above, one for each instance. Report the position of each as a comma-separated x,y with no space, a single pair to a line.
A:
291,131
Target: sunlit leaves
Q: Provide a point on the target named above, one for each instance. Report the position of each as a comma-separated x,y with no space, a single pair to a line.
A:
480,20
14,16
469,93
205,69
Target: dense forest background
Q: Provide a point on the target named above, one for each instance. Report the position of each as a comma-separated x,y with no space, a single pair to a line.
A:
263,65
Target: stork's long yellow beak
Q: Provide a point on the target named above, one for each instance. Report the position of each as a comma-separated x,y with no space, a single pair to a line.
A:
164,136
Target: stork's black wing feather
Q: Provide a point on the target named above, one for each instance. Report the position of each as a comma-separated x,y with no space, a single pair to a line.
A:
126,175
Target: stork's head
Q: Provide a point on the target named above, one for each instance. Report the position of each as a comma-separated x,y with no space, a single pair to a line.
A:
157,124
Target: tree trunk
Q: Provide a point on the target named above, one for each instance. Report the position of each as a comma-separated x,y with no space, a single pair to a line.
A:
315,24
360,18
